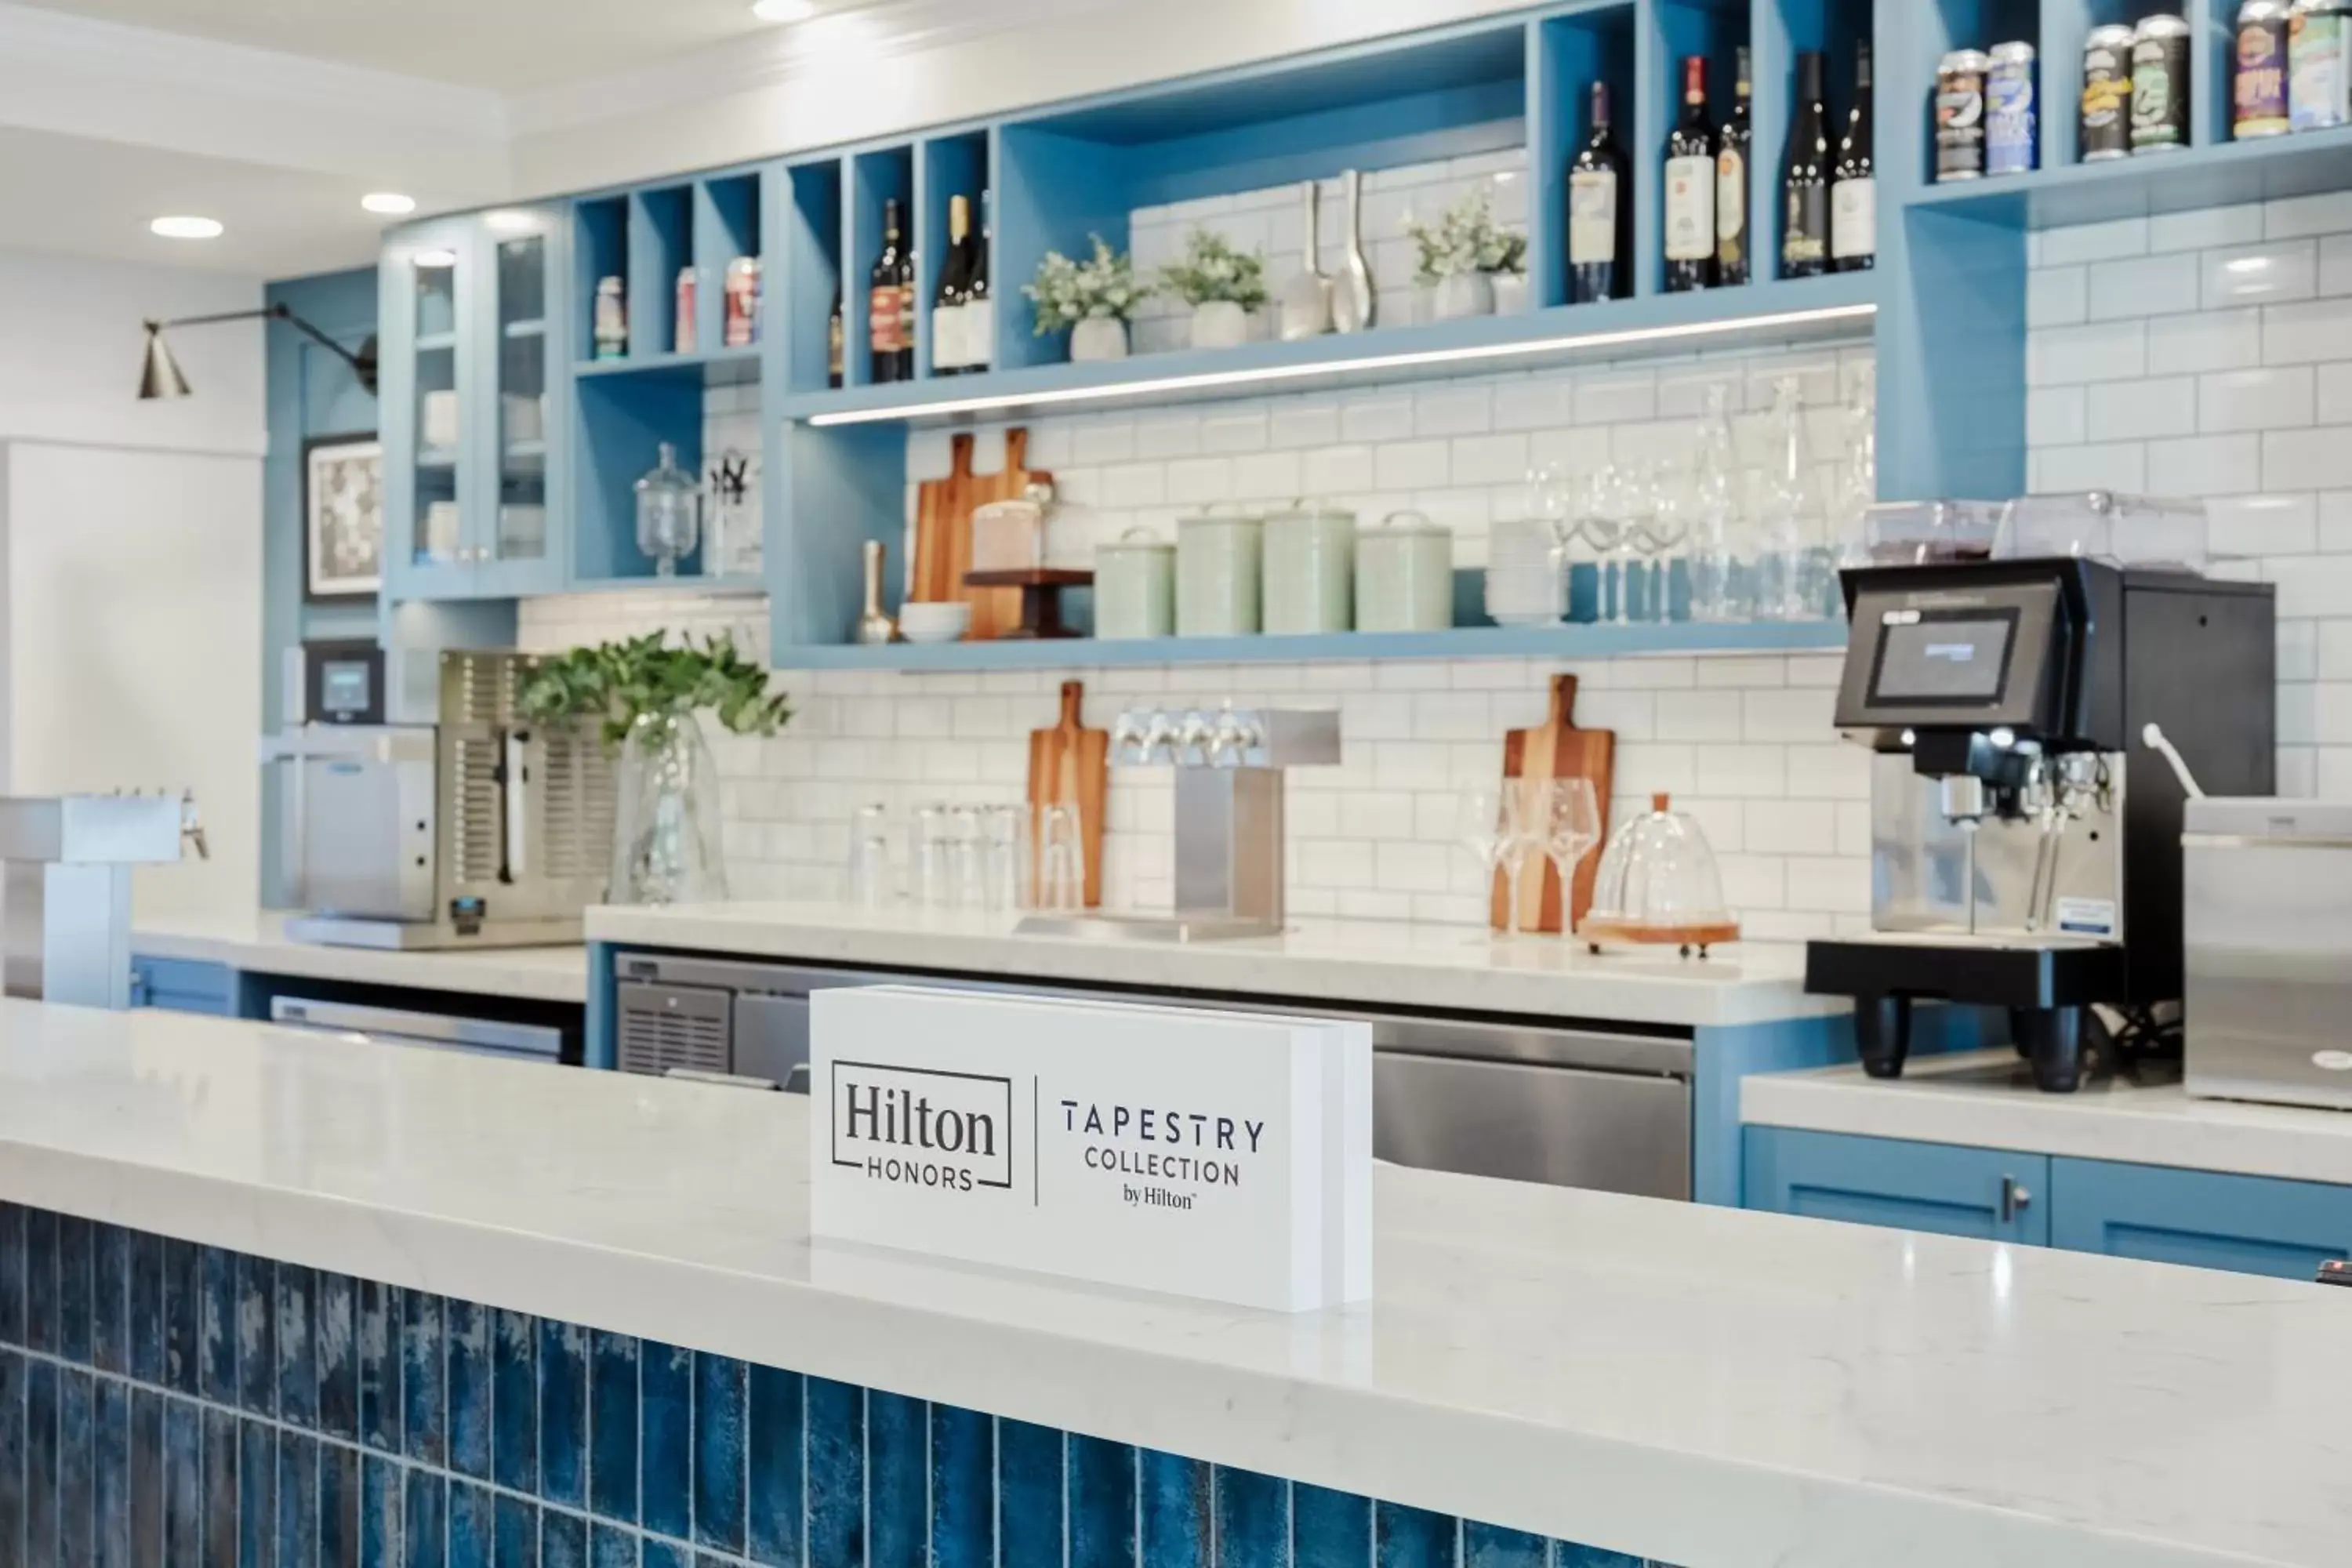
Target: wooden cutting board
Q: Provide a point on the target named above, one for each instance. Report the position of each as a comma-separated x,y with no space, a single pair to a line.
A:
1556,749
943,509
1070,764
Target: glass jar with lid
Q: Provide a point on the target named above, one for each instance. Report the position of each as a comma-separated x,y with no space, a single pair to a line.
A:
1404,575
1658,883
669,512
1134,587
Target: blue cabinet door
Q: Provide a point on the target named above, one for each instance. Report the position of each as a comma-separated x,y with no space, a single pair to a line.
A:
2252,1225
430,381
1989,1193
182,986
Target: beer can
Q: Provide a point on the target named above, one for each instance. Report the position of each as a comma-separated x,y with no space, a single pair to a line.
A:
2319,64
2009,112
683,328
2159,113
1960,114
742,321
2258,84
2105,125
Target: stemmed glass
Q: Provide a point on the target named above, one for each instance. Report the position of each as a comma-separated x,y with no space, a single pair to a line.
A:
1486,824
1571,827
1663,537
1636,499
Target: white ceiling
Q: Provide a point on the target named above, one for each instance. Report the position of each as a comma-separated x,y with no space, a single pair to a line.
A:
75,196
506,45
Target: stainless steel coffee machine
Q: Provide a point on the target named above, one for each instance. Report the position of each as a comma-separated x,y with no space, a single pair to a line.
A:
2025,825
422,810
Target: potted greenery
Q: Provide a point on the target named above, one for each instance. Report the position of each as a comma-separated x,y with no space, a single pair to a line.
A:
1222,286
1091,298
1510,276
645,693
1460,256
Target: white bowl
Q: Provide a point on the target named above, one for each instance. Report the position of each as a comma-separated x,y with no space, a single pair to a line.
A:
935,623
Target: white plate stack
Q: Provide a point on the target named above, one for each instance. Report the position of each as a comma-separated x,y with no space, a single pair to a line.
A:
1527,585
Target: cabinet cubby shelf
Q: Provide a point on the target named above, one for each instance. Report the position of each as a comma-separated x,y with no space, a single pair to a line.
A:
746,358
1565,641
1781,311
436,343
533,328
2215,176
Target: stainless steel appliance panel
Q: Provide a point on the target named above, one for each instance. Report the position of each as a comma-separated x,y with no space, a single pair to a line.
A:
1612,1131
662,1027
362,825
436,1031
2267,933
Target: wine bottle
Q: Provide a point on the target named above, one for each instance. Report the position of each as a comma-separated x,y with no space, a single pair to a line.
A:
1805,178
980,304
1690,187
836,334
886,328
948,352
1731,195
1599,213
1853,200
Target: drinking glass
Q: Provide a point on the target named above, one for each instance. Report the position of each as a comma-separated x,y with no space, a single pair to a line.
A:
1061,859
869,856
934,866
1663,539
1001,858
966,883
1636,504
1571,827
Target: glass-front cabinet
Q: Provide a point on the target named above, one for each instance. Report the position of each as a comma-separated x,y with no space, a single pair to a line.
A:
471,432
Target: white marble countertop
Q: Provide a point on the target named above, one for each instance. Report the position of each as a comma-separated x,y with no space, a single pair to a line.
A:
1986,1099
1375,963
258,943
1706,1386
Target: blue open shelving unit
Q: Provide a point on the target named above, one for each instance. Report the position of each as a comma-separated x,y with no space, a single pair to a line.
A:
1946,302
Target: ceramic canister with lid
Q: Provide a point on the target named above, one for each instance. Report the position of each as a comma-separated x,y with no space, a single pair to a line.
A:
1217,574
1134,587
1310,571
1404,575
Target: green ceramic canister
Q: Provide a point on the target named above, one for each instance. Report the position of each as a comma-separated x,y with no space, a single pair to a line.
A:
1217,566
1310,571
1134,587
1404,575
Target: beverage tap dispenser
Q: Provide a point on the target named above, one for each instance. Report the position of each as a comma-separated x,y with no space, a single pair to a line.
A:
68,861
1229,766
2025,836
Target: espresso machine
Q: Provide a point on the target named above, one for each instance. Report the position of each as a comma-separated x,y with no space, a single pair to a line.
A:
425,810
2030,720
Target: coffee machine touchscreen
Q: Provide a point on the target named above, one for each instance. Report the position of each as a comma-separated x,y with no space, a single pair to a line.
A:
1944,659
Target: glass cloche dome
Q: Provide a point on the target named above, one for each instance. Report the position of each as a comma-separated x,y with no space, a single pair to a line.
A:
1658,883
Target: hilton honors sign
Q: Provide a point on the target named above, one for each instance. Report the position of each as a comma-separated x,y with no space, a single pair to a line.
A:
1221,1155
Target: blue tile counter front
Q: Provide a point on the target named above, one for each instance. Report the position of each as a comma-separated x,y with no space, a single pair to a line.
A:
182,1406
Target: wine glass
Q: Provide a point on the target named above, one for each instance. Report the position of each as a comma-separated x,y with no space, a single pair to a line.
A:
1663,537
1571,827
1486,823
1636,504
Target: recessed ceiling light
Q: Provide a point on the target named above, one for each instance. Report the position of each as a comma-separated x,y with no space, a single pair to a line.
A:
435,259
186,228
783,10
392,203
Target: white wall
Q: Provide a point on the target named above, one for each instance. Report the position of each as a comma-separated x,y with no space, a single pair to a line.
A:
132,540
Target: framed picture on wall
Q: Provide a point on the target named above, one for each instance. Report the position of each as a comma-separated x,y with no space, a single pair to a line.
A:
342,516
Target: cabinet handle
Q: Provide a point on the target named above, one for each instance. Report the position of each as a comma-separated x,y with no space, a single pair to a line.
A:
2016,1197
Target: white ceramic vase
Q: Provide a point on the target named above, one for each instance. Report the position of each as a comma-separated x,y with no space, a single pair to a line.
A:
1218,324
1510,292
1461,295
1097,338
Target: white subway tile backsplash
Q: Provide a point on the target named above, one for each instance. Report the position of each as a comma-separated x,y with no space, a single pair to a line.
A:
2206,227
2329,212
2104,350
2057,296
2135,410
2110,466
2144,286
2270,398
2206,466
2094,242
1454,410
1489,460
2262,525
1410,464
2267,274
2057,416
2210,340
2318,458
1385,416
1701,715
2307,333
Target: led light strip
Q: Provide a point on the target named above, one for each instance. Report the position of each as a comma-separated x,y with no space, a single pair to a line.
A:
1204,380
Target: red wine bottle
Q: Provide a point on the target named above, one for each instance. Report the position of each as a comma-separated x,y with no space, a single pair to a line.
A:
1599,213
1690,187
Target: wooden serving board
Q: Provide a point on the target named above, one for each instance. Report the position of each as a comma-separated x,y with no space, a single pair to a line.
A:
1070,764
1556,749
943,509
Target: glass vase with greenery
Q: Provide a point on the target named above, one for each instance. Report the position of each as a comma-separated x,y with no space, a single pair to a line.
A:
646,695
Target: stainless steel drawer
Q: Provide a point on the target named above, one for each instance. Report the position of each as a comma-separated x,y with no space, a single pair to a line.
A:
1614,1131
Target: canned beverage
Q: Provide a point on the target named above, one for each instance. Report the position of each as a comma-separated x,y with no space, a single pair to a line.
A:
1960,114
2010,111
2319,64
2159,117
742,328
2107,94
682,324
2258,86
